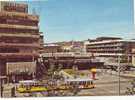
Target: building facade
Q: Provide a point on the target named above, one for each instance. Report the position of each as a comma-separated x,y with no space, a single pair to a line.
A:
51,48
112,51
20,40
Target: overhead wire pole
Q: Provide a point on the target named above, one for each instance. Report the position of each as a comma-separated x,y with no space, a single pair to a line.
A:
119,72
133,17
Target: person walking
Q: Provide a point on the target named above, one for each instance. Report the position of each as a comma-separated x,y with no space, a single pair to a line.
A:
13,92
2,91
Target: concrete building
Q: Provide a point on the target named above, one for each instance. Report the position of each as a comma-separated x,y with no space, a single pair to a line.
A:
20,41
112,50
51,48
133,57
71,46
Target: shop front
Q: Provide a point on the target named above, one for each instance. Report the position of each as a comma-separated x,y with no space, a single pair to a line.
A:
20,71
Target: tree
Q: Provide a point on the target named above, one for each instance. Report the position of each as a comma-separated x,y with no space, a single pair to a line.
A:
51,77
131,90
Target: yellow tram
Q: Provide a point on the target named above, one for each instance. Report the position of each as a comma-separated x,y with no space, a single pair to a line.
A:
84,83
28,86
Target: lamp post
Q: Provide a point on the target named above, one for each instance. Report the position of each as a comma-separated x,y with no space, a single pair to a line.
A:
1,87
119,73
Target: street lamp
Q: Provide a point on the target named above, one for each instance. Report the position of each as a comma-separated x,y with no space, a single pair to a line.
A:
119,72
1,87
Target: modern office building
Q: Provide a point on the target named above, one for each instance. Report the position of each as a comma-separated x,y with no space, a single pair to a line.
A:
20,41
112,50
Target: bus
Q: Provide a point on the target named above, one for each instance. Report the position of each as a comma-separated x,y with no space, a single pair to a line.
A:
29,86
84,83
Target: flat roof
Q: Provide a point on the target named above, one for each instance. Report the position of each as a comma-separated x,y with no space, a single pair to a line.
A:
111,41
80,79
28,81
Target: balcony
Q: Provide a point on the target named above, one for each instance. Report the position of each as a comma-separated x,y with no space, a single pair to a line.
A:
105,46
19,15
66,54
18,55
18,26
34,45
27,35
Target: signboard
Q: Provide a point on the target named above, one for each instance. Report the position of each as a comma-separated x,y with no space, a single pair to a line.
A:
19,67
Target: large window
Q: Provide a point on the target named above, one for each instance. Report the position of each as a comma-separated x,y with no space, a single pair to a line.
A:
13,30
18,22
19,40
9,50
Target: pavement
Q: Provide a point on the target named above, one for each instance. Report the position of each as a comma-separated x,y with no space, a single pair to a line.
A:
129,74
107,85
7,90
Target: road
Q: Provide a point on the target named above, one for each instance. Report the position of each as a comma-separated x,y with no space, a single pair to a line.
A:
107,85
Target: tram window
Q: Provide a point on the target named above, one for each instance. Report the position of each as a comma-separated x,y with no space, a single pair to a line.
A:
91,82
68,83
87,82
84,82
73,83
77,83
80,83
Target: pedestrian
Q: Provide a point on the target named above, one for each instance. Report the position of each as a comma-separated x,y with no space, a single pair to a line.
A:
13,92
2,88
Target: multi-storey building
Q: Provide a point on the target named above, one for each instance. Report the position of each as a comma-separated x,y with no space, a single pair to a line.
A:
112,51
20,40
71,46
51,48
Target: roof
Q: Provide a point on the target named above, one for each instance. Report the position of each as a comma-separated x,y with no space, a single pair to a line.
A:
50,45
80,79
28,81
108,38
112,41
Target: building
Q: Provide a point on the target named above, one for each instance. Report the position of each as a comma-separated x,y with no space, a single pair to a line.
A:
71,46
112,50
41,41
51,48
20,41
133,56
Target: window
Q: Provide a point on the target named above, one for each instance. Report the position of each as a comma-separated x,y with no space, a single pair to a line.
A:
9,50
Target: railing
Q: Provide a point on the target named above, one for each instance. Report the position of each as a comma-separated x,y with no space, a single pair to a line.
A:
65,54
111,54
117,64
18,54
19,15
20,35
18,26
20,44
72,54
104,46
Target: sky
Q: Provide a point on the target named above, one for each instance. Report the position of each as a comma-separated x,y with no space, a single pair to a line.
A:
66,20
